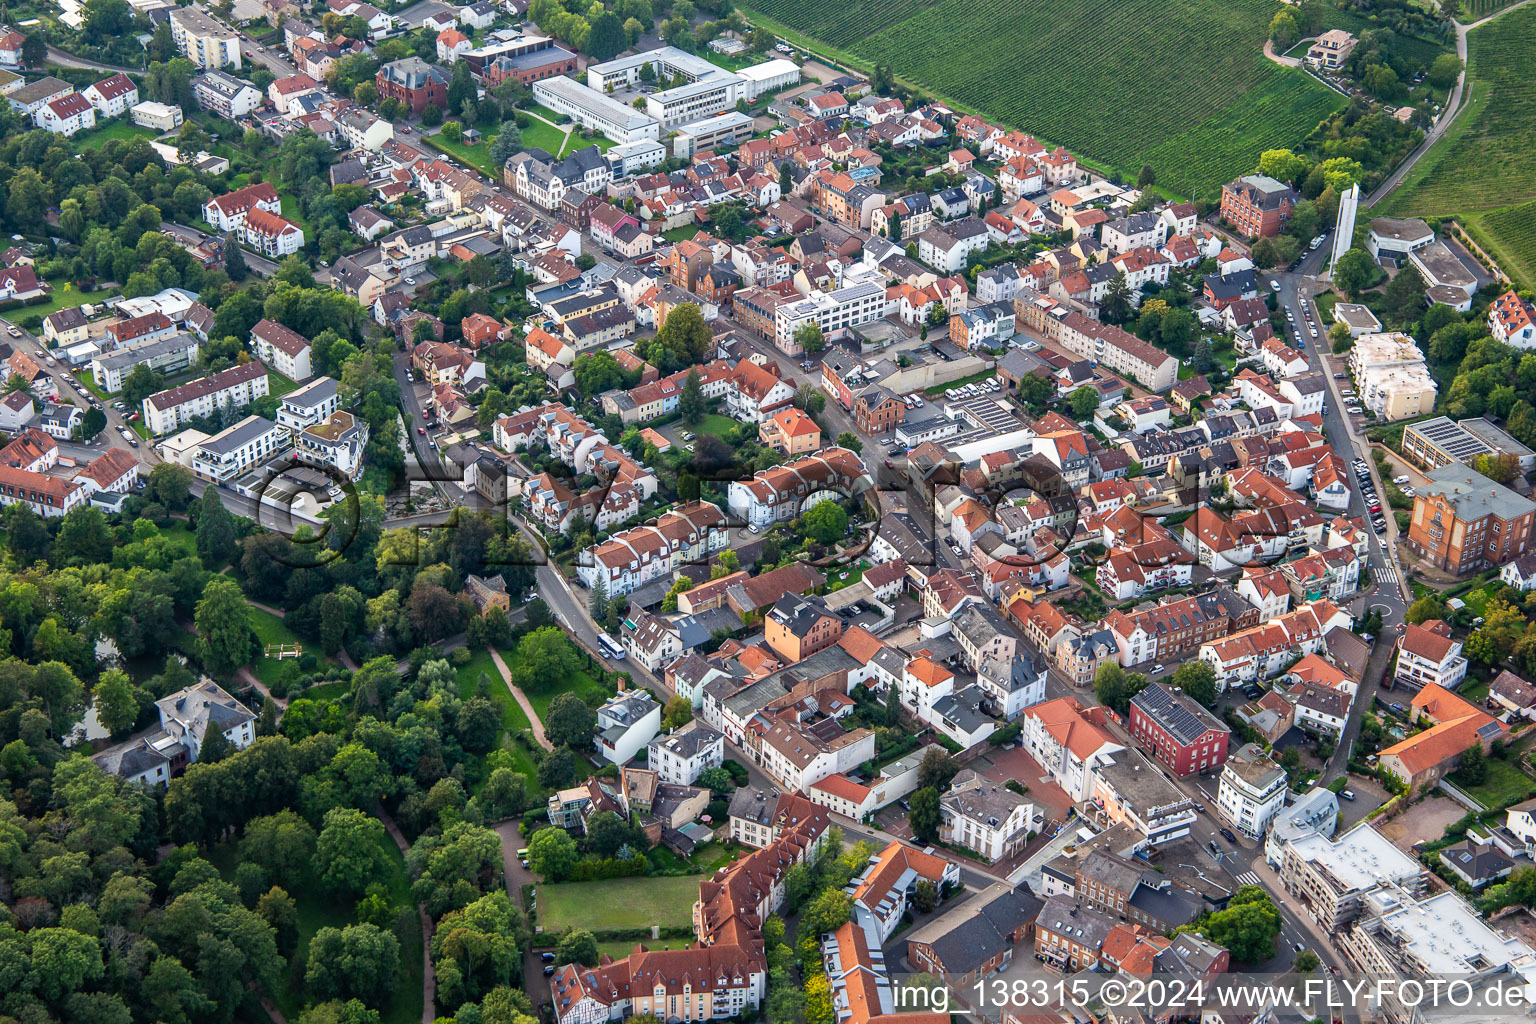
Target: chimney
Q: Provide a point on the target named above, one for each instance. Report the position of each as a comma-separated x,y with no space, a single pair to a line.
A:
621,684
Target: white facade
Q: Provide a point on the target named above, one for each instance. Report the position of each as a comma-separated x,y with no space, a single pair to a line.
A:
166,411
160,116
831,311
235,451
1250,792
592,109
204,41
680,758
625,724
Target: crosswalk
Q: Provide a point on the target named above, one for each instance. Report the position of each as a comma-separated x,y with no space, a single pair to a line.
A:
1247,878
1386,573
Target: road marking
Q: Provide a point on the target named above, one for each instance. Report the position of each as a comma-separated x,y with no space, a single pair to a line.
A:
1248,878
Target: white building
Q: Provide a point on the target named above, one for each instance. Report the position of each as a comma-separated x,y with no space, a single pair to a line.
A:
204,41
234,387
831,311
159,116
338,443
1251,791
986,817
282,348
166,355
592,109
235,451
682,756
625,724
271,235
67,115
311,404
1428,654
112,96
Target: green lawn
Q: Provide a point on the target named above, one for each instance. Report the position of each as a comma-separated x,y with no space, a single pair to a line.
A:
714,423
107,131
278,385
619,903
736,63
65,296
581,684
477,156
542,136
270,629
1506,784
1477,600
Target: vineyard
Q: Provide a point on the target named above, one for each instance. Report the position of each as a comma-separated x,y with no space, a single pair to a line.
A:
1509,235
1181,86
1484,162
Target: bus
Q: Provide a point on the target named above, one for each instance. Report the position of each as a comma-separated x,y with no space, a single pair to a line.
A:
611,647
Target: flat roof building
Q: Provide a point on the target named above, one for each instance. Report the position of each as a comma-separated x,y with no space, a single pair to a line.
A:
592,109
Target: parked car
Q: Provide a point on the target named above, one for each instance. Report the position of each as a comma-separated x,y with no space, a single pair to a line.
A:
1347,794
1228,835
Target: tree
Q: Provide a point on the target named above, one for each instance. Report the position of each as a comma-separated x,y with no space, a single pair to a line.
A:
34,50
1405,296
223,624
1147,176
1204,359
234,259
568,721
810,338
507,144
677,713
1198,679
557,769
786,182
1084,403
348,853
1425,608
691,403
607,39
1283,29
683,340
1247,929
924,814
359,961
141,382
1116,307
215,529
1353,272
1442,73
1474,766
596,372
1282,164
850,441
826,522
936,770
551,853
576,945
94,422
598,605
170,485
1306,962
926,896
116,703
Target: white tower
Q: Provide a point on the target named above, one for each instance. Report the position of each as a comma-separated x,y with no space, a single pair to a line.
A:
1344,231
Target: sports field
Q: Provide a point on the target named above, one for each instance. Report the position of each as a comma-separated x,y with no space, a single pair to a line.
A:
1183,86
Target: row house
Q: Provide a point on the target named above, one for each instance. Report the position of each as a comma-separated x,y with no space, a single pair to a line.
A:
783,492
1261,651
690,532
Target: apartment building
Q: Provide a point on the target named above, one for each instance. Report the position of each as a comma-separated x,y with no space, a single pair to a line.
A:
1464,522
66,115
1251,791
225,95
1258,205
271,235
238,449
1391,375
831,311
797,627
1333,878
1182,734
681,757
1427,655
166,355
783,492
1069,741
308,405
203,41
986,818
237,386
227,212
690,532
282,348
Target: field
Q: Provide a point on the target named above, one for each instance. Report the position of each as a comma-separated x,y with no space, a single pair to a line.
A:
619,903
1480,172
1506,784
1199,106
